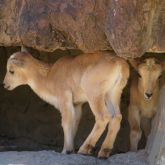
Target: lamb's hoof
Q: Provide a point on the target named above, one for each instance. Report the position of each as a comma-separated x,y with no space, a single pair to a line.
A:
85,150
104,153
67,152
70,152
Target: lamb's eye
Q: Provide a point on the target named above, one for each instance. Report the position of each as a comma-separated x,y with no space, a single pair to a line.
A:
139,75
11,72
160,77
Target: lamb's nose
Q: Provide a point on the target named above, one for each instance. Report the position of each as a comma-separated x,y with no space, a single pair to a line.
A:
148,95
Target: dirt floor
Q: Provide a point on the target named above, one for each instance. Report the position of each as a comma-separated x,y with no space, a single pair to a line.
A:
53,158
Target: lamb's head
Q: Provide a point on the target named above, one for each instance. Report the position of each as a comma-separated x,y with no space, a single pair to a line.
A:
149,75
149,71
17,70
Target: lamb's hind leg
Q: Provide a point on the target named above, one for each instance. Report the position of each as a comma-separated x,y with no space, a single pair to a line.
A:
113,103
102,117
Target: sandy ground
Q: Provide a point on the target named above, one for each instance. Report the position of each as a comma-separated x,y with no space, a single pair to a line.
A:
53,158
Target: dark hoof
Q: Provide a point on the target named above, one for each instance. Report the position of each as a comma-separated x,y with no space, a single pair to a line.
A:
104,153
69,152
86,151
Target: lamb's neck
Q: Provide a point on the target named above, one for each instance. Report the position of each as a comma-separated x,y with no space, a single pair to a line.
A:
37,84
42,68
40,86
38,79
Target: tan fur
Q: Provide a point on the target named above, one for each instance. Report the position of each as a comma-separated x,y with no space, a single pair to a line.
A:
96,78
142,108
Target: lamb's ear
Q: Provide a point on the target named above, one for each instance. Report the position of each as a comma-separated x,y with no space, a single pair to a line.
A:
134,63
24,49
17,61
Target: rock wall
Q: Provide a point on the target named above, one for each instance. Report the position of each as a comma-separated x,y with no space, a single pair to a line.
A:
156,142
129,27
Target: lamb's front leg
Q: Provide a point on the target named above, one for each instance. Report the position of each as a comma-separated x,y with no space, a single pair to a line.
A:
78,114
135,129
146,126
68,122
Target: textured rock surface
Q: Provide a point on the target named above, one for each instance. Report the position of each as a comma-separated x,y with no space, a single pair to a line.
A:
129,27
53,158
156,142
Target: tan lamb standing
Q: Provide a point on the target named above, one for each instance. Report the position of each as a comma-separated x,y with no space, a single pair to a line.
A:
97,78
144,94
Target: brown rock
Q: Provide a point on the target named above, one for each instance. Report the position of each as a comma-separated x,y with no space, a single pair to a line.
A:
156,142
130,27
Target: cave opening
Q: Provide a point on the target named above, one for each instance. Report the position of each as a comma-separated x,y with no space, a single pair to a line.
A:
28,123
